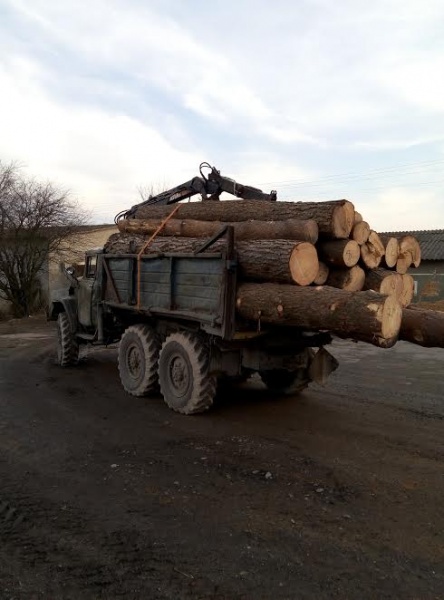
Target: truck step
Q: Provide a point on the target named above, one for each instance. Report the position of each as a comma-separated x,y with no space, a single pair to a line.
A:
89,337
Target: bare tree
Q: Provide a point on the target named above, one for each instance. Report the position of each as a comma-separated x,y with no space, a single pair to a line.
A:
152,189
36,220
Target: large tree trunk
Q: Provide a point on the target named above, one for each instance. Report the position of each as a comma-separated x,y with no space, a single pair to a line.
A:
347,279
365,316
340,253
259,260
291,229
333,218
423,327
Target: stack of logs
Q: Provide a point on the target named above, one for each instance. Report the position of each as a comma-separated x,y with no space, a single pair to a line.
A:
316,265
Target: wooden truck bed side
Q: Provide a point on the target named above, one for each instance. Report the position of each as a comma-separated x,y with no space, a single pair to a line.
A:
197,287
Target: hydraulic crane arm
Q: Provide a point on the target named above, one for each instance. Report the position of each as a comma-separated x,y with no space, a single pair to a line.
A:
209,187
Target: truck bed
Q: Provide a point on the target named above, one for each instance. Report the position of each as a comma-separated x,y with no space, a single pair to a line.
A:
194,287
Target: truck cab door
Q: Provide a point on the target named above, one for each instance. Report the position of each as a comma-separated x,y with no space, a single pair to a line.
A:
86,305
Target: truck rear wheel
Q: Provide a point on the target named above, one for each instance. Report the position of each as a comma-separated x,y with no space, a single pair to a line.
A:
185,381
67,345
280,381
138,358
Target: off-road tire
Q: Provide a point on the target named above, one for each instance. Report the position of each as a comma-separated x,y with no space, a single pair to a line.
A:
185,382
67,345
138,359
282,382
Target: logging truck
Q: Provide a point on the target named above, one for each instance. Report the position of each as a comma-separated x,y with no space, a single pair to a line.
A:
174,316
210,291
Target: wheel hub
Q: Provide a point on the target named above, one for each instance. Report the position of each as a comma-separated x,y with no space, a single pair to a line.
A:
179,374
134,362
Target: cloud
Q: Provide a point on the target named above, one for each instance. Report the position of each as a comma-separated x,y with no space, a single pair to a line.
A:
392,208
102,156
108,95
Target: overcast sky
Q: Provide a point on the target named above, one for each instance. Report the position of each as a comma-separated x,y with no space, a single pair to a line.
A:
317,99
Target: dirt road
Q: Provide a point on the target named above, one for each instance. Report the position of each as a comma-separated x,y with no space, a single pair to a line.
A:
337,494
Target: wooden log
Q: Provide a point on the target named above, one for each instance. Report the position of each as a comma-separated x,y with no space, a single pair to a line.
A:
322,275
408,290
347,279
361,232
358,218
391,246
332,217
385,282
372,251
408,243
282,261
291,229
340,253
403,262
365,316
423,327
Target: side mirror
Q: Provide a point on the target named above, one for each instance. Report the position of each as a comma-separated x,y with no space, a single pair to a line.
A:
70,274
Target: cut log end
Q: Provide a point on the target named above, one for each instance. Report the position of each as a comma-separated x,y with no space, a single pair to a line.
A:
391,318
304,265
361,232
341,253
358,217
372,251
410,244
391,252
403,262
322,275
340,221
351,280
408,289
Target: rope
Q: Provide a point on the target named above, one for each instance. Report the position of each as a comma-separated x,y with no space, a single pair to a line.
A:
145,246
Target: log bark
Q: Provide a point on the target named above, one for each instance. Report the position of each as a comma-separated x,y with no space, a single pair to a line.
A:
282,261
340,253
365,316
332,217
372,251
347,279
423,327
361,232
385,282
322,275
391,246
291,229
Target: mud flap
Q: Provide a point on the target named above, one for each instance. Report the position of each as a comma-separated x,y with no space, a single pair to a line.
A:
322,365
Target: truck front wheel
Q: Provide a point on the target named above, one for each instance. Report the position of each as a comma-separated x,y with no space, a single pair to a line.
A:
185,381
137,360
67,345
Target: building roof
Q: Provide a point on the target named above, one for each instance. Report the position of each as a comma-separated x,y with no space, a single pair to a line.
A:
431,242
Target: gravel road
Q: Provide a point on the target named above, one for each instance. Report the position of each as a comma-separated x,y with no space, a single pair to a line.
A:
337,493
